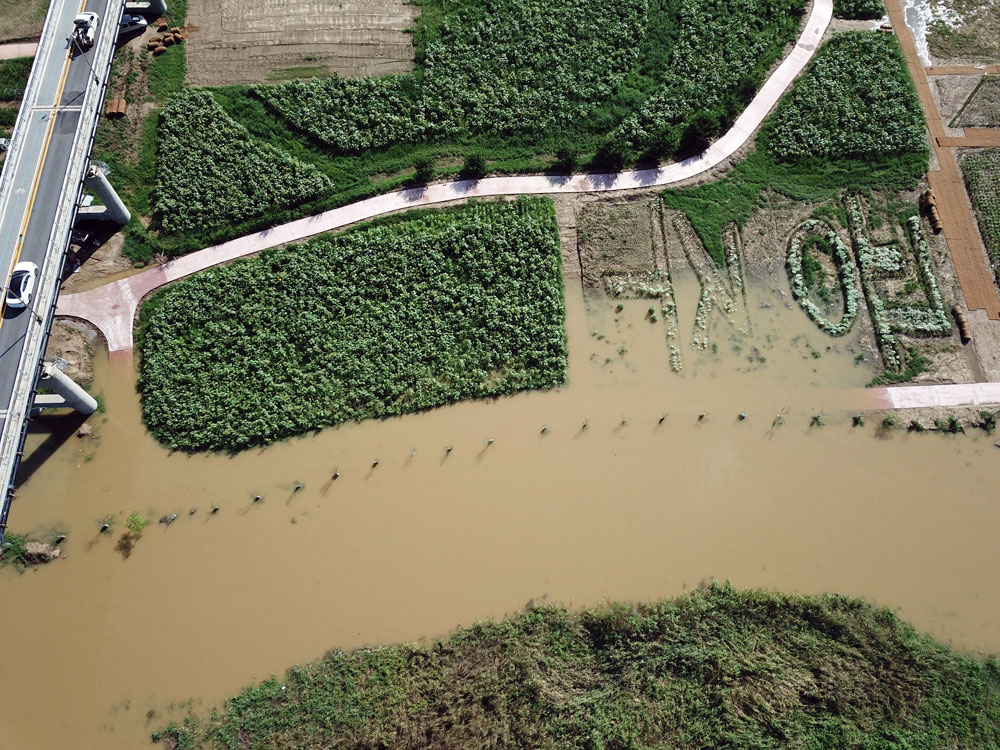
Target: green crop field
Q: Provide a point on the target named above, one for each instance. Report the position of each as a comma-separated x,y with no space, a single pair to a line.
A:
404,315
982,175
525,85
719,668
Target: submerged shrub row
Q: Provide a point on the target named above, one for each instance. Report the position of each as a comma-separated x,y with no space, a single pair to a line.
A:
717,669
397,317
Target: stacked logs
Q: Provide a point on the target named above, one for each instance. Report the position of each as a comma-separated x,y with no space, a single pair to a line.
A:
929,205
115,108
963,324
158,43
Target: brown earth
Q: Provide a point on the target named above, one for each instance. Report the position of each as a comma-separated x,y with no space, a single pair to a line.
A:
21,20
251,41
74,342
982,109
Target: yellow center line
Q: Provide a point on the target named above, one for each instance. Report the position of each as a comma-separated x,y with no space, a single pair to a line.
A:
41,163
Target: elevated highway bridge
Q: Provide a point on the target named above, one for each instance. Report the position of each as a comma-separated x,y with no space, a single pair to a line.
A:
41,184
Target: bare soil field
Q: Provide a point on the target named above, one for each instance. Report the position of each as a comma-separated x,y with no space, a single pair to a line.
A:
21,19
982,109
256,41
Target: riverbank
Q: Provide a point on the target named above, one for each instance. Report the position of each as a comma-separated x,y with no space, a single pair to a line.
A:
716,668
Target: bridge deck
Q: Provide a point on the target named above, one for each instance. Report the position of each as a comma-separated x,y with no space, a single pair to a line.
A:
39,192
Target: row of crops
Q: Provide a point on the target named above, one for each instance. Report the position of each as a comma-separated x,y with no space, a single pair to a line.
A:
548,69
856,102
383,320
211,171
982,175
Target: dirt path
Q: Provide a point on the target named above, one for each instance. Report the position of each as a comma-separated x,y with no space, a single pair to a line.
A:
960,230
962,70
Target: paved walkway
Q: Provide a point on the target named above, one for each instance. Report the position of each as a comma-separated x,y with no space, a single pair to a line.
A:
18,49
967,251
111,308
918,396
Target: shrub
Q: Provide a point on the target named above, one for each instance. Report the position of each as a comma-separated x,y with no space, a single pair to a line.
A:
860,10
407,314
212,171
855,101
474,166
424,170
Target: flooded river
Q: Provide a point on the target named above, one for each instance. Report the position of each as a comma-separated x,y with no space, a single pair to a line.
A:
625,507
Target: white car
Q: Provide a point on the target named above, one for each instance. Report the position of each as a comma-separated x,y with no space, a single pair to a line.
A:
22,284
85,30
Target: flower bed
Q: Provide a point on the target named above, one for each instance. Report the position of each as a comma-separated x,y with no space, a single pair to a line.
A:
845,273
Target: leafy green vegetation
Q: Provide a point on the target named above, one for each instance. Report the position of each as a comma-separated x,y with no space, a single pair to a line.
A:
916,363
14,551
719,668
405,314
517,68
858,9
856,102
8,115
513,81
982,174
212,171
14,77
835,164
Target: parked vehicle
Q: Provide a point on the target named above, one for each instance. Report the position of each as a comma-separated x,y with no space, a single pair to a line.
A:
22,284
132,25
85,30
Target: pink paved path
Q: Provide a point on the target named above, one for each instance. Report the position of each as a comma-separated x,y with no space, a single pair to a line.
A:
18,49
111,308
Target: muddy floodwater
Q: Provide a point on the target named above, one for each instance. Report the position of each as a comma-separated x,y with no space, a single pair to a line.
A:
607,502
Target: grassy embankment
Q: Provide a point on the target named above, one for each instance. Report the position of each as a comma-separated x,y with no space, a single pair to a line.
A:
717,668
524,86
13,79
131,153
412,312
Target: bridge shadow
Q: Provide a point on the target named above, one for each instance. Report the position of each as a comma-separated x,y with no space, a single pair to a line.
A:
89,236
60,428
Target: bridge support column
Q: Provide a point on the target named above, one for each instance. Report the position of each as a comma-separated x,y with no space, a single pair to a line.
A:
150,8
113,209
72,395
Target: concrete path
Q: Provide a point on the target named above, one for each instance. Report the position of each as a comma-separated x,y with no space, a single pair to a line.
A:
111,308
17,49
919,396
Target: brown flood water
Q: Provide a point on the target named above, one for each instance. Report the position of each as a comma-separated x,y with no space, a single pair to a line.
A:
426,542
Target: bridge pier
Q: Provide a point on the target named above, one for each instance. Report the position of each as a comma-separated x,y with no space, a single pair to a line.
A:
67,392
114,208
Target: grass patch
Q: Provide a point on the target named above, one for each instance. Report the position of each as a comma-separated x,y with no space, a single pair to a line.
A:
14,78
299,71
716,668
379,321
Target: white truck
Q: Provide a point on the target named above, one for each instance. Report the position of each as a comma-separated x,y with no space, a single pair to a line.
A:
84,31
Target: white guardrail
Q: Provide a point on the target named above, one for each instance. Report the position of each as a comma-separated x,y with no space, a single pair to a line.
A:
36,337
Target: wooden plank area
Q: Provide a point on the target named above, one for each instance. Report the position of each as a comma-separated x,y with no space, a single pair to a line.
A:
974,273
